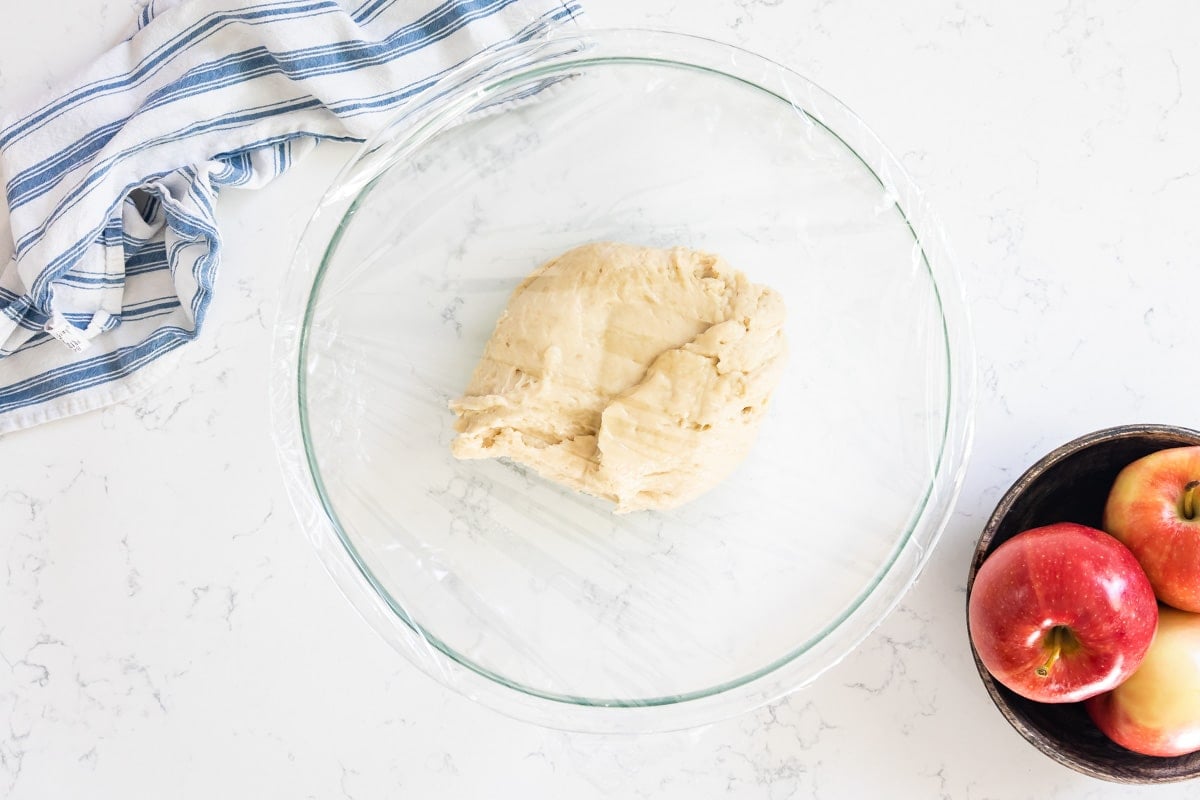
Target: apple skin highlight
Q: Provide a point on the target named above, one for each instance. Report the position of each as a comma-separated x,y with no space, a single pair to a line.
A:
1154,509
1061,613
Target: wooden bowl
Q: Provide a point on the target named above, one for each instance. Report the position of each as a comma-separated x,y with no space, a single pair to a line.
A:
1071,484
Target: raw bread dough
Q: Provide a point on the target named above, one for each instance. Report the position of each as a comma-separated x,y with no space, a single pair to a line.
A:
631,373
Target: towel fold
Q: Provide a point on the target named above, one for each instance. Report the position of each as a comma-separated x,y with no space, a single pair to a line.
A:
112,183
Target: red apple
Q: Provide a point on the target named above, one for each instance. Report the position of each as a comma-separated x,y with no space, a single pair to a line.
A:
1154,508
1157,711
1061,613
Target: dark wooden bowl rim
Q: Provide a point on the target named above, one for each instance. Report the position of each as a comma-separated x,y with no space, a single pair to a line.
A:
1106,761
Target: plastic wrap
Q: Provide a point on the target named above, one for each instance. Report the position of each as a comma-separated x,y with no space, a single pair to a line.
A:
539,601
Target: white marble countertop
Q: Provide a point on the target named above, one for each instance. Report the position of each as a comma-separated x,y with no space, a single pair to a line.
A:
167,631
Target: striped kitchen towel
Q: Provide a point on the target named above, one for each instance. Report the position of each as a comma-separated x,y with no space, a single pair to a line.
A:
112,182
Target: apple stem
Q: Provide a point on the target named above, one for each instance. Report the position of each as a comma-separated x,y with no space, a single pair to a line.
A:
1054,641
1190,504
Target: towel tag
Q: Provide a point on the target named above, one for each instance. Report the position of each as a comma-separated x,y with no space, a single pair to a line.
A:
68,334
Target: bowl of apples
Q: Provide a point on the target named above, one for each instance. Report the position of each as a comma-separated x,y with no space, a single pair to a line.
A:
1083,604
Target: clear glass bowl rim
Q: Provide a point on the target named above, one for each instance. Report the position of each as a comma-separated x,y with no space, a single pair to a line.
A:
425,116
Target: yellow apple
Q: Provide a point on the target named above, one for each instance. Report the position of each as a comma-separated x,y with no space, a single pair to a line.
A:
1156,711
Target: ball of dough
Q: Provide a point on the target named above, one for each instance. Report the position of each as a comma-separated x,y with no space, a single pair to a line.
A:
631,373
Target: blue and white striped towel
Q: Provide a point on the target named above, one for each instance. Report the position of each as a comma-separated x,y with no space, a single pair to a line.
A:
111,184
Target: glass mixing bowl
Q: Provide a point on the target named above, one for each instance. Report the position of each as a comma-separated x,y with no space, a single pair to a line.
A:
541,602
